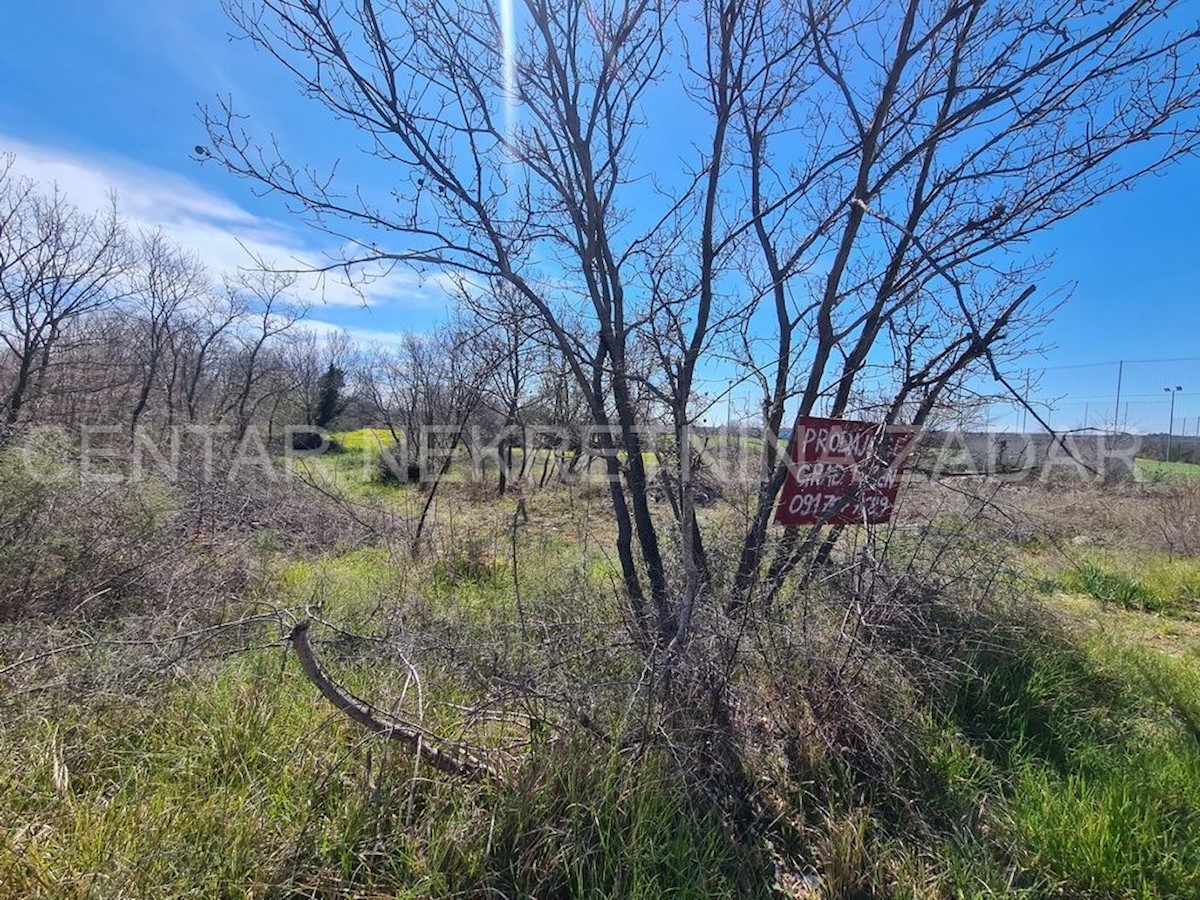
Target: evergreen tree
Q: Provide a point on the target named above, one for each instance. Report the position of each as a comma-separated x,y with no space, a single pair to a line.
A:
330,402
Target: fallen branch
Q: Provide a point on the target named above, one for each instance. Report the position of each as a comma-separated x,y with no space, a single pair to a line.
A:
443,755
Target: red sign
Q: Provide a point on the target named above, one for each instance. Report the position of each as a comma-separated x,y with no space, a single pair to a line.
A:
842,473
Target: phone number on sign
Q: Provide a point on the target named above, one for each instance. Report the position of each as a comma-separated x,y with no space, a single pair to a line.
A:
818,504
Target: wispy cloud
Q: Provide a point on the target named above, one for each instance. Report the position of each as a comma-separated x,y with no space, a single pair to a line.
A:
364,337
224,234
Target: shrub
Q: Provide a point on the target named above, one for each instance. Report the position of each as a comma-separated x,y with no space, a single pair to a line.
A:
71,543
1175,515
68,544
391,468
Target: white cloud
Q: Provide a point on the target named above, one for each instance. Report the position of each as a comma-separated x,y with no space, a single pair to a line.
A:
225,235
364,337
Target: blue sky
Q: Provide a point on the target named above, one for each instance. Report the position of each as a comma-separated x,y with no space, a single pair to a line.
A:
103,96
99,94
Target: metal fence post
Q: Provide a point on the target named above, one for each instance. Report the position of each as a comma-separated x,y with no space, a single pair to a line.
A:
1117,407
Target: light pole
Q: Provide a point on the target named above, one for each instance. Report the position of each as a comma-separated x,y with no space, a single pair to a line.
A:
1171,423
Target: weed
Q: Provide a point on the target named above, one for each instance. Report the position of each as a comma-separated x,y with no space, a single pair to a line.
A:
1161,585
1109,587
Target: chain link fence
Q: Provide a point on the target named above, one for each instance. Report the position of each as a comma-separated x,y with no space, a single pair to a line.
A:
1147,397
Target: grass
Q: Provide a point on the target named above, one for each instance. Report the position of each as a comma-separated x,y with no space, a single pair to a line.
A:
1156,583
190,792
232,784
1117,817
1110,587
1158,470
364,439
1080,759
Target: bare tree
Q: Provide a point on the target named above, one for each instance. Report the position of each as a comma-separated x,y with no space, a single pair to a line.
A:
92,376
167,284
270,311
58,265
446,388
197,347
311,356
933,148
404,388
847,217
382,375
509,335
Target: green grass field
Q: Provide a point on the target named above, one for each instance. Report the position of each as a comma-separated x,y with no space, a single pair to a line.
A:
1157,470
